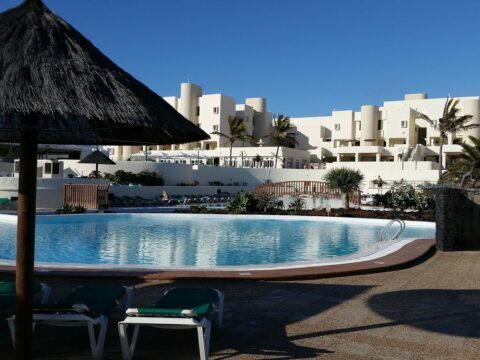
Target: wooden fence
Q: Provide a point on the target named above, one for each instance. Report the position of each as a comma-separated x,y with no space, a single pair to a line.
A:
312,188
88,196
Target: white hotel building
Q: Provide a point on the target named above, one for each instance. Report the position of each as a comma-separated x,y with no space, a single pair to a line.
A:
361,139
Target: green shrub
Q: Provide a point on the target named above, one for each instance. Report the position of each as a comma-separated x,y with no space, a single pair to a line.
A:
297,205
329,159
145,178
268,203
403,197
243,203
71,209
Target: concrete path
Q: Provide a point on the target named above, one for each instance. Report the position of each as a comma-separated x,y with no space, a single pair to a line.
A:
428,311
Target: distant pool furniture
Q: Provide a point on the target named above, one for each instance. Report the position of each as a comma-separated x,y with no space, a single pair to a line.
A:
179,308
4,202
88,305
7,294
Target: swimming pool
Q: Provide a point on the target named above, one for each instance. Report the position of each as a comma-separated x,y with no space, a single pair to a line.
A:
191,240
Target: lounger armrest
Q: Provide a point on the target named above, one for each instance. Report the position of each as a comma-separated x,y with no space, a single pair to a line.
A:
58,308
188,313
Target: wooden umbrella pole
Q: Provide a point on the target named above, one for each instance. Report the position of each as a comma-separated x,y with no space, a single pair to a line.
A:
27,188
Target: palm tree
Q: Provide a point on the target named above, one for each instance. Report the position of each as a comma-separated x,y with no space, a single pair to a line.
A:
346,180
282,133
237,129
467,167
449,123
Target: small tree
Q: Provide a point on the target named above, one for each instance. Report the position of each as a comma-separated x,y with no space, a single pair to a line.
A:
257,159
449,123
237,130
467,167
346,180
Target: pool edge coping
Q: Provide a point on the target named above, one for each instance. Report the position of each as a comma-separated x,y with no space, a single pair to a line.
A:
404,256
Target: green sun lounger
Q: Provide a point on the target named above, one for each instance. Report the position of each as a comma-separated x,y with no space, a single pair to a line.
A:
86,305
7,294
179,308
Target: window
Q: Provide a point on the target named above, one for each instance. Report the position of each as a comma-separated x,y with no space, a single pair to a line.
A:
198,110
215,127
48,168
56,168
404,123
380,125
337,127
216,110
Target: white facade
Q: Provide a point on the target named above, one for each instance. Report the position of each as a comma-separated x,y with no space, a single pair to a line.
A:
393,132
242,157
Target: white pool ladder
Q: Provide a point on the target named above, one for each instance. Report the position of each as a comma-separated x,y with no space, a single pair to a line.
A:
389,225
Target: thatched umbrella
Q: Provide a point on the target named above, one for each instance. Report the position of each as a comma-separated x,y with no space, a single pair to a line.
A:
56,87
97,157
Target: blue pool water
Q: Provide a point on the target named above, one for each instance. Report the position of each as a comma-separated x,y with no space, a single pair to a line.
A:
166,240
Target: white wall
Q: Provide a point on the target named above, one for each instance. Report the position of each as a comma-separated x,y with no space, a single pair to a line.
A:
49,191
345,120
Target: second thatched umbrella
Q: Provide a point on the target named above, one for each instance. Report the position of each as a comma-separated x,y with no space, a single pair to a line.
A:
56,87
97,157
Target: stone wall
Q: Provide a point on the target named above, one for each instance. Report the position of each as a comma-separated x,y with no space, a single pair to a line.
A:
458,219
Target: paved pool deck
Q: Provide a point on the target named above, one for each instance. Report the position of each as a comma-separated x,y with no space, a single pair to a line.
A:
430,310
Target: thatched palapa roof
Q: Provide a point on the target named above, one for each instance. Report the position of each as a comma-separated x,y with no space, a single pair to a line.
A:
49,69
97,157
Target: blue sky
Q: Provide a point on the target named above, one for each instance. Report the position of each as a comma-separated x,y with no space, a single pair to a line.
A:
305,56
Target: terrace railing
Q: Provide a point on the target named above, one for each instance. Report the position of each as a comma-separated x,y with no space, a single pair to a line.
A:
88,196
311,188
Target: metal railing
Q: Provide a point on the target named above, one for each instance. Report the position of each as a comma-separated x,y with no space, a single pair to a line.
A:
388,226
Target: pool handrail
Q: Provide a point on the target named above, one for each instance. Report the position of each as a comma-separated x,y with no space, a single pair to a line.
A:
389,225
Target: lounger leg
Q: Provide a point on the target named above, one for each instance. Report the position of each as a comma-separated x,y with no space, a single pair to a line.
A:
97,345
11,327
91,335
220,309
203,333
136,330
127,350
101,337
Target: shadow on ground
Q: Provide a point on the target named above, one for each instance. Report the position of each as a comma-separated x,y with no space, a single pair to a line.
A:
255,322
451,312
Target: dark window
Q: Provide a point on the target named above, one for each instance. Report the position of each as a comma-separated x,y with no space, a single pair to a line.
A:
380,125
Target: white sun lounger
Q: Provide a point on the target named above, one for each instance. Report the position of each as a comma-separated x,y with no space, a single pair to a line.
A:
179,308
84,306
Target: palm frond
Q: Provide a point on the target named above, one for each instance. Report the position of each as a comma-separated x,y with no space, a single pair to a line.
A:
424,117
